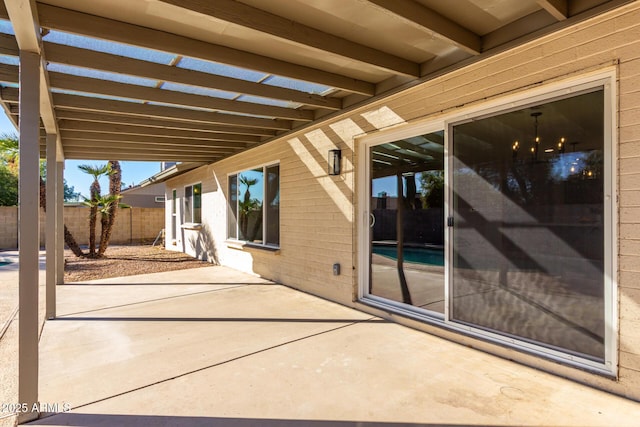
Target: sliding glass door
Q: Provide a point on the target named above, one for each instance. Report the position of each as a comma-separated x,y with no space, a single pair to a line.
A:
528,214
500,226
406,245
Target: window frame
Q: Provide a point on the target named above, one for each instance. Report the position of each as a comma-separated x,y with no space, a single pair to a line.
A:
265,217
192,209
174,215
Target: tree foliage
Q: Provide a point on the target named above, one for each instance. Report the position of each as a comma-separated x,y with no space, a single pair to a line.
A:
70,194
105,205
9,159
247,206
109,217
93,202
432,188
8,187
8,170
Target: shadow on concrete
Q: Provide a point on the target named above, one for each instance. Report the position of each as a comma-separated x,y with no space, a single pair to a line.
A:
73,419
214,319
88,284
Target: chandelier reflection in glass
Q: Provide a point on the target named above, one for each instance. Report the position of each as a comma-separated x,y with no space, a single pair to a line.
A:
563,164
536,140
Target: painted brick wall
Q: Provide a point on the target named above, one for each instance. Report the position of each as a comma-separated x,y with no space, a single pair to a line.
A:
318,223
627,37
195,242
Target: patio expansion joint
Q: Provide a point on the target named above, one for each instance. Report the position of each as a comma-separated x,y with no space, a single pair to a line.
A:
10,319
149,301
244,356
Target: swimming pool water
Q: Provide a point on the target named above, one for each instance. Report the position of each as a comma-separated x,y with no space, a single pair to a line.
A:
427,256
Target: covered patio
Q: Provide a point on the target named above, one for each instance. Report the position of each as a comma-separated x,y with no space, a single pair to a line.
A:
215,347
232,81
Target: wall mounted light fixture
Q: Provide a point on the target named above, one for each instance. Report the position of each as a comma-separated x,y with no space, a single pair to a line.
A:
335,157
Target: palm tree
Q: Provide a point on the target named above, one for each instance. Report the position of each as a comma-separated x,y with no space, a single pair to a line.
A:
103,205
246,206
115,186
10,149
94,191
404,287
72,244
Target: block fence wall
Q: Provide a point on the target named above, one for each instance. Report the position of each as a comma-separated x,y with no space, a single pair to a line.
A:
132,226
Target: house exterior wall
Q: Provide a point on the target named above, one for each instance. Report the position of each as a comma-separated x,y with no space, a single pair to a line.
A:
195,241
144,197
318,213
143,200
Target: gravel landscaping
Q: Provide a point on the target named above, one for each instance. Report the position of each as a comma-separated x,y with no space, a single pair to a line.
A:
127,261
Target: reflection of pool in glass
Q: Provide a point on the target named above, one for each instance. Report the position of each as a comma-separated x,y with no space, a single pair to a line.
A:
429,256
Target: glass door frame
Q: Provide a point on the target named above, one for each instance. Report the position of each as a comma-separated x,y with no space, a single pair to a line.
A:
606,78
364,244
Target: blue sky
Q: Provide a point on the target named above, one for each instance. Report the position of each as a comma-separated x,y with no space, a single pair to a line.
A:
132,172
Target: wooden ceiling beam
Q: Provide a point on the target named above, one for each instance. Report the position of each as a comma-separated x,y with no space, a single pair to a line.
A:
9,73
9,107
518,31
259,20
78,57
139,155
114,147
75,102
432,21
9,45
559,9
110,149
24,20
151,131
70,102
58,18
151,94
113,137
203,128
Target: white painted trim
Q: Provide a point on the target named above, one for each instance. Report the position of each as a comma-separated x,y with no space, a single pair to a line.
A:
241,244
51,225
60,219
546,93
29,233
256,166
184,200
173,215
364,143
448,246
362,213
611,221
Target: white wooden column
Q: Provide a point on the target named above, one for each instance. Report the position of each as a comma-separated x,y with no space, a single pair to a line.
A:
60,221
29,233
51,225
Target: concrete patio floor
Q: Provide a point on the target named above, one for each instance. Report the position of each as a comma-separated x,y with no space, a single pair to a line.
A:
215,347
